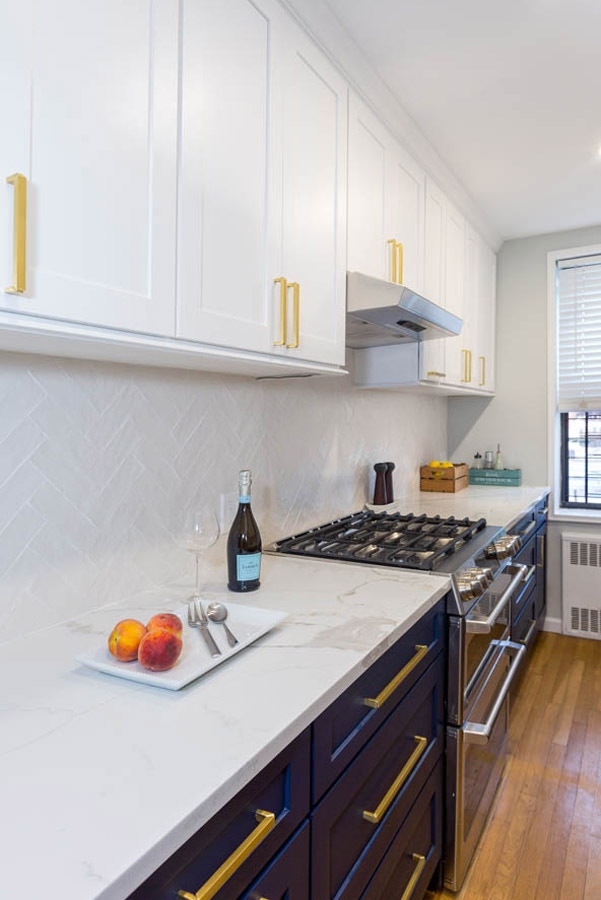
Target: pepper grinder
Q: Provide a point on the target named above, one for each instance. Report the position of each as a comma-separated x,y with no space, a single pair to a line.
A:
388,480
380,487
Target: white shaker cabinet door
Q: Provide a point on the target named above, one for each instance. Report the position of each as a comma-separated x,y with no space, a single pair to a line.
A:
368,251
313,238
102,128
228,197
15,48
385,202
405,215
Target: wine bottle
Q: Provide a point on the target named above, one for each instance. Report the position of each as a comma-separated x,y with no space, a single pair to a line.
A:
244,543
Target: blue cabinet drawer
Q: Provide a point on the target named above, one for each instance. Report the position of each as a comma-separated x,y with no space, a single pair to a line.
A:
358,818
345,727
232,848
415,853
287,876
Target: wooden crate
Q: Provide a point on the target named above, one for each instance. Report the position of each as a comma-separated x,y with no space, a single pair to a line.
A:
446,480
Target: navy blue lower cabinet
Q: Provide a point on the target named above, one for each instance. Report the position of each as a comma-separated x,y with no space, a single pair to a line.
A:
268,810
415,853
356,821
287,877
346,726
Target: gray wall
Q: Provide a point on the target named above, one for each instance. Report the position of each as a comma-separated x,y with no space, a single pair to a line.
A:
517,416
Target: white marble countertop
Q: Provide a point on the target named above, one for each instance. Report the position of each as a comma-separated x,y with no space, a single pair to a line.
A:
101,779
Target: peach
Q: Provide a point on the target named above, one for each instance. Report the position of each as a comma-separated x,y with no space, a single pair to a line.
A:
125,638
159,649
168,621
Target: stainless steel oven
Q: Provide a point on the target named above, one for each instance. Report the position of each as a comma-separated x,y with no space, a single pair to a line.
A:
482,664
482,661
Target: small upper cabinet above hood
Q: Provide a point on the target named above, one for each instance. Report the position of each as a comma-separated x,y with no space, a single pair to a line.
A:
380,312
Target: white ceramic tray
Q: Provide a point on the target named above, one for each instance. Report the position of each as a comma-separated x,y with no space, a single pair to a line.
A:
247,623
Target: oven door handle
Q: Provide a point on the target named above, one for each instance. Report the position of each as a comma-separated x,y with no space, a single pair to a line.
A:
484,626
480,732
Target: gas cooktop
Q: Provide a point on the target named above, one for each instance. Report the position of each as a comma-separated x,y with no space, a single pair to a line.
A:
429,543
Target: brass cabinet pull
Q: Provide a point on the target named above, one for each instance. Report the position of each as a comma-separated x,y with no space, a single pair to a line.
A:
376,816
19,183
541,564
482,371
393,246
295,314
469,356
464,353
377,702
527,530
436,374
266,822
399,248
419,868
396,261
283,285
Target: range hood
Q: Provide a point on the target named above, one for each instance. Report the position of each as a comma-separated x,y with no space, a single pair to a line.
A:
381,312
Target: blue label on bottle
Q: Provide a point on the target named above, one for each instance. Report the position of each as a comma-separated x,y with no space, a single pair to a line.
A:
248,566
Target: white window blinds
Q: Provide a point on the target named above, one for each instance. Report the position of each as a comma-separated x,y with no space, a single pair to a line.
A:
579,333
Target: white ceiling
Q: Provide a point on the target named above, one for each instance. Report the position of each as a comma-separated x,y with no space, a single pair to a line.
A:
508,93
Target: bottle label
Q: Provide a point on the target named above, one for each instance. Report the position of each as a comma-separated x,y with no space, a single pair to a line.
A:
248,566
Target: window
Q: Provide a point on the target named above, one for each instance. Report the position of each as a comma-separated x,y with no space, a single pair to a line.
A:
578,378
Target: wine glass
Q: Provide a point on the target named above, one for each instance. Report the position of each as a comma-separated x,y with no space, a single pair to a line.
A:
201,531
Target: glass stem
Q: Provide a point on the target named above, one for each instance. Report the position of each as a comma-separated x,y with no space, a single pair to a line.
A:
197,564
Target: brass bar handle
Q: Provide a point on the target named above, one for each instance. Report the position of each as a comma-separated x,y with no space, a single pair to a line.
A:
283,285
266,822
378,813
482,371
385,693
19,183
295,314
436,374
541,564
531,630
469,353
464,380
419,868
393,246
530,575
399,248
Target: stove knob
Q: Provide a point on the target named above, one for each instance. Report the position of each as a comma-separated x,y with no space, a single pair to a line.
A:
498,550
468,587
484,576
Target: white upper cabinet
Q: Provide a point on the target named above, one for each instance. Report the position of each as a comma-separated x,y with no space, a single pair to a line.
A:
98,145
228,180
262,185
313,207
385,203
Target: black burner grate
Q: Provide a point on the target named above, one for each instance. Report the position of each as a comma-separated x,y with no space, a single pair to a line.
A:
388,539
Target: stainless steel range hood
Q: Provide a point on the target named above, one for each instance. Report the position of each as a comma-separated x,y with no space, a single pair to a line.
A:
381,312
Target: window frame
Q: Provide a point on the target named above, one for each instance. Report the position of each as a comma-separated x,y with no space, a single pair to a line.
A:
573,512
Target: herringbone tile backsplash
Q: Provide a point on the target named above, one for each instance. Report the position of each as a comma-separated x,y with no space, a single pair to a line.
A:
99,462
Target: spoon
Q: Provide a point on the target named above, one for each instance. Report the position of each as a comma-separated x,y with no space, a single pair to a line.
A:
218,613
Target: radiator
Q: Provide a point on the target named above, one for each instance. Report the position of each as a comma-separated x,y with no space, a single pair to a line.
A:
581,585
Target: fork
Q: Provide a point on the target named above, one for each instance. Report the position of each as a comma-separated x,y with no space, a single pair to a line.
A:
197,618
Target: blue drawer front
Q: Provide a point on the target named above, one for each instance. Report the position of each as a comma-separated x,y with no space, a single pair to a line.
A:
287,876
419,836
346,848
282,788
346,726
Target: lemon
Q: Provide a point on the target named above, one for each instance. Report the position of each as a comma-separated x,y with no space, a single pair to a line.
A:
446,465
434,464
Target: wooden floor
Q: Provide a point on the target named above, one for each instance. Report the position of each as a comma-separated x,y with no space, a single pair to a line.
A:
543,837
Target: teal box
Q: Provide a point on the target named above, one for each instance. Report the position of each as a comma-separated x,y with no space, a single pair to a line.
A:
499,477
